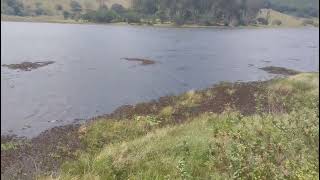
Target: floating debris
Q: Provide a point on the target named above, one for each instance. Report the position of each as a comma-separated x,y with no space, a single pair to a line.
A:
27,66
143,61
279,70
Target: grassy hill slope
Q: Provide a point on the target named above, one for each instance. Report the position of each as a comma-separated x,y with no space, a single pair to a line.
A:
286,20
296,7
278,141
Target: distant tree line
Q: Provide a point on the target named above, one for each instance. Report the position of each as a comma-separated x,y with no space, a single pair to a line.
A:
204,12
228,12
207,12
17,8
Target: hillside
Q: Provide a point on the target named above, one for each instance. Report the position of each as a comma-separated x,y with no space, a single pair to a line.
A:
296,7
278,141
276,18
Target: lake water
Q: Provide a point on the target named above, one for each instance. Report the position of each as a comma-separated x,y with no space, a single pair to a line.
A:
89,77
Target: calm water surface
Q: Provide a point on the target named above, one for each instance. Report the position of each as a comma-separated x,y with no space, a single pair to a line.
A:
89,77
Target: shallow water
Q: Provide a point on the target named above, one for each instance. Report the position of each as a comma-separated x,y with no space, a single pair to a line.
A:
89,77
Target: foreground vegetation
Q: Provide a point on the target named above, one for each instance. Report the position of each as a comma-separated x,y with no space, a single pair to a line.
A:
279,139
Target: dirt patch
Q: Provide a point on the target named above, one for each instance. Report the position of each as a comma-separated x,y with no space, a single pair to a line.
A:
142,61
279,70
28,66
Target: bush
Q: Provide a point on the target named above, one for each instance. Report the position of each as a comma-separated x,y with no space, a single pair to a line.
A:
276,22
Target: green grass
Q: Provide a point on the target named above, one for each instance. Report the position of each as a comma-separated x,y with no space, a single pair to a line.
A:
266,145
8,146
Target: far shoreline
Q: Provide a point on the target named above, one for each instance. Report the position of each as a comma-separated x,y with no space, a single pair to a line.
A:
55,20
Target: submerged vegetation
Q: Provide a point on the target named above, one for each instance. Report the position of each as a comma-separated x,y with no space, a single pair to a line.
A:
142,61
28,66
256,130
279,70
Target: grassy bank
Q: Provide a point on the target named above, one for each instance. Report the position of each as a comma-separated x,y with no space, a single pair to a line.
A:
262,130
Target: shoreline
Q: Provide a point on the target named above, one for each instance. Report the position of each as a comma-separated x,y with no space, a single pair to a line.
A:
280,71
51,148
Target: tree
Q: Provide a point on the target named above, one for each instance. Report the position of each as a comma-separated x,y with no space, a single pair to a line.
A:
66,14
12,7
118,8
59,7
101,15
75,6
131,17
161,15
